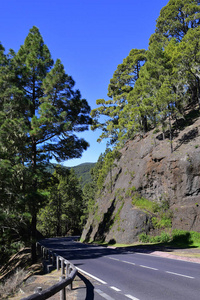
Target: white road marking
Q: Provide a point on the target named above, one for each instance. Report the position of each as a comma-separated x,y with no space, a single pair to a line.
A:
115,289
131,297
148,267
128,262
180,274
104,295
90,275
113,258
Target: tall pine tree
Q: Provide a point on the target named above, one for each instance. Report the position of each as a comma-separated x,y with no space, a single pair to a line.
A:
41,95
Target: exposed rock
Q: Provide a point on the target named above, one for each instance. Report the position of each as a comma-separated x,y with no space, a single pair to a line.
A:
148,167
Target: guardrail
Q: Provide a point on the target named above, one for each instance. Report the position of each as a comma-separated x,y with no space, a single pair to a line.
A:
68,273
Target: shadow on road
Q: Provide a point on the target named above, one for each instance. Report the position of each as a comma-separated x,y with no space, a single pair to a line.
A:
76,251
89,288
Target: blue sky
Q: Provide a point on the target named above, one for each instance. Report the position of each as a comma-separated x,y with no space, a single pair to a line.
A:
91,37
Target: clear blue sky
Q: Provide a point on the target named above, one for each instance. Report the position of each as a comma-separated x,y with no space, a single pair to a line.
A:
91,37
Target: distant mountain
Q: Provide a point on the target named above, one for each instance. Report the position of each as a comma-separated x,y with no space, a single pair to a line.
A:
83,171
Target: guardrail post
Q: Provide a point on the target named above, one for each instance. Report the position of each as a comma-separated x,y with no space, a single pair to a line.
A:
58,263
43,252
38,247
67,269
50,256
71,284
53,259
38,290
62,267
63,291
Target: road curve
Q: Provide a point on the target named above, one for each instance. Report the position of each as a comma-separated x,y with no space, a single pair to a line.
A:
121,274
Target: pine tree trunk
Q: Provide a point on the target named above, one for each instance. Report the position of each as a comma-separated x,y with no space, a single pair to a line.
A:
198,91
58,230
33,206
33,238
144,124
170,133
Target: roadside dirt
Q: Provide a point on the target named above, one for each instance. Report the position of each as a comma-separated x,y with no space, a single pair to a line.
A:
190,254
44,281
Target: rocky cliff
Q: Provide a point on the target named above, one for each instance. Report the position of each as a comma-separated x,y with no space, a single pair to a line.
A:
148,170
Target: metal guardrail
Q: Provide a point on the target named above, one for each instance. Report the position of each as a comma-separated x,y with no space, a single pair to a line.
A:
68,273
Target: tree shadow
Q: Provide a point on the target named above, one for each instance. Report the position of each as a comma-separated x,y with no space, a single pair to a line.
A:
187,137
88,286
78,252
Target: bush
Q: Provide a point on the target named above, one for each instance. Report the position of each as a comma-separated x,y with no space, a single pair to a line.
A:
142,203
144,238
164,237
9,287
180,236
185,238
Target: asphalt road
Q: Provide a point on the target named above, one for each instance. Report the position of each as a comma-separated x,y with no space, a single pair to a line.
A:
123,274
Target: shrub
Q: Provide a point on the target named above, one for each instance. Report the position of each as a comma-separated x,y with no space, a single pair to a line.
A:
164,237
10,286
130,191
183,237
142,203
156,131
144,238
180,236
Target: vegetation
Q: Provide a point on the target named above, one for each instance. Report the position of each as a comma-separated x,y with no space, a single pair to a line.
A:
177,238
40,112
161,215
82,171
64,209
9,287
143,203
152,88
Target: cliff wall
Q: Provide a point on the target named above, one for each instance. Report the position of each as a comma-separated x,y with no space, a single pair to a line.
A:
147,169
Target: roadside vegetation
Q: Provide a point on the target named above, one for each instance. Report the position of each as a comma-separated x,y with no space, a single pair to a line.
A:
41,111
175,238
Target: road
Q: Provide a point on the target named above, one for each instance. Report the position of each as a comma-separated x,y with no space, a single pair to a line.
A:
122,274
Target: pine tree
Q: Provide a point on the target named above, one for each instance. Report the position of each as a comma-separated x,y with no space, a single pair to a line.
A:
46,112
177,17
120,86
65,207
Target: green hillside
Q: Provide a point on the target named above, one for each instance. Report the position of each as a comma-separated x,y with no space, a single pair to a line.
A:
83,171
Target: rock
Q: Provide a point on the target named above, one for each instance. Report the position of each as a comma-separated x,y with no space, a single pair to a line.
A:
149,169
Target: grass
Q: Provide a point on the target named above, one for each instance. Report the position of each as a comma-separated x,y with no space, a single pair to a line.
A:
117,245
185,239
10,286
177,239
143,203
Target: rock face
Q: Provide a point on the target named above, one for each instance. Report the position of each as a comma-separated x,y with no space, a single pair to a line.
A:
147,167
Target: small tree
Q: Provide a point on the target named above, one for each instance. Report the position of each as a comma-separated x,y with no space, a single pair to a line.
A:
65,206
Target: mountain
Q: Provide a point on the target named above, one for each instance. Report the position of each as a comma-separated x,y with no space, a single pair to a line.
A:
83,171
151,189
